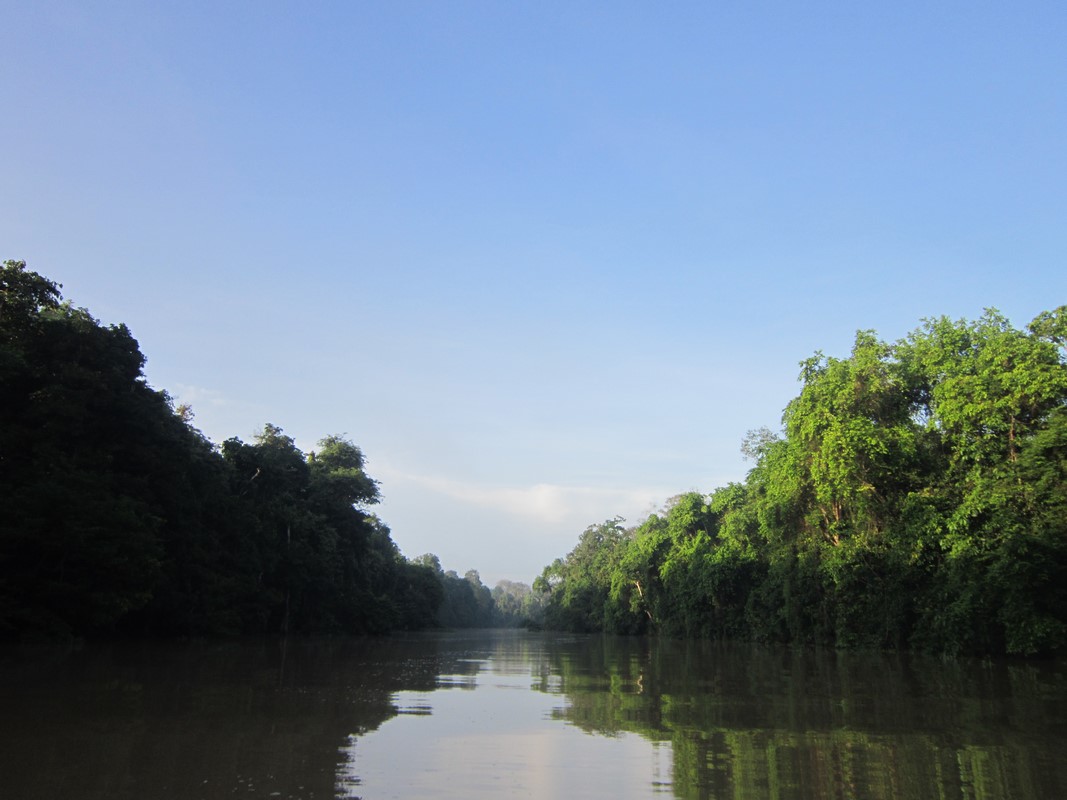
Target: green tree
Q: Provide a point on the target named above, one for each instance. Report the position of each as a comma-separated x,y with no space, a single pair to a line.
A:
990,393
579,586
916,497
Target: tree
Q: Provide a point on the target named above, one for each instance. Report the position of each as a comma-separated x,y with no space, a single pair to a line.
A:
916,497
24,294
990,394
119,515
579,586
513,605
79,537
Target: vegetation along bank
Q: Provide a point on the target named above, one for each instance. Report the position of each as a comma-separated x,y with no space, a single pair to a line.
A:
916,496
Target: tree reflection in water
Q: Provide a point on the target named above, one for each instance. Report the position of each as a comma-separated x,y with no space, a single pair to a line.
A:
741,720
503,713
751,721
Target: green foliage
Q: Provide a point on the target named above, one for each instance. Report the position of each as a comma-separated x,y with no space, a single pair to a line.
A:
577,588
917,497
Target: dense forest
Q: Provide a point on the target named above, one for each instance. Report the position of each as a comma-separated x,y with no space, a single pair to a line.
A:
120,517
916,496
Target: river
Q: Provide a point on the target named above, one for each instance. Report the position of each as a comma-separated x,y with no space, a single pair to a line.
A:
490,714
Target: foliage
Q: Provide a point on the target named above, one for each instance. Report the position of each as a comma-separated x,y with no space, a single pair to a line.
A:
120,517
916,496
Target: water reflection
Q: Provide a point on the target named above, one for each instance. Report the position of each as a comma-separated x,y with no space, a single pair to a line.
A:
722,720
497,714
190,720
503,739
759,722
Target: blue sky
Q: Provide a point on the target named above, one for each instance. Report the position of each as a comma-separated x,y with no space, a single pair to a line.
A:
544,262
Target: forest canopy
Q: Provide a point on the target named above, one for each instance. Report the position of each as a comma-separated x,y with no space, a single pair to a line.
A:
121,517
916,496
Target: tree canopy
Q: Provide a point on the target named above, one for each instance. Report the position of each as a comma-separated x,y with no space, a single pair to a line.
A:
121,517
914,497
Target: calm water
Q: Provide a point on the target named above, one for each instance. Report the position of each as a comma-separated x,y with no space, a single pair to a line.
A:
509,714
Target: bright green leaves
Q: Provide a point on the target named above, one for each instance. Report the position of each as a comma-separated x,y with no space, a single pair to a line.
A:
852,438
988,384
578,586
1051,326
993,400
918,496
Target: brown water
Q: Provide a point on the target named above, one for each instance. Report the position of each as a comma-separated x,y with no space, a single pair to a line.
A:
493,714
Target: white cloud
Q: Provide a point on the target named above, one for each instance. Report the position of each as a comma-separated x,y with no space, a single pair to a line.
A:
198,395
545,502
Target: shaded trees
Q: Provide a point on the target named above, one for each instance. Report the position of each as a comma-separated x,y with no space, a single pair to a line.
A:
79,541
515,605
465,602
120,516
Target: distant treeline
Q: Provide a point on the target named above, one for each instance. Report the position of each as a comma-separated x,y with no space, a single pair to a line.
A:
117,516
916,497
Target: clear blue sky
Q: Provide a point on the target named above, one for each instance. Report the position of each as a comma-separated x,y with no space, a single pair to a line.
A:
544,262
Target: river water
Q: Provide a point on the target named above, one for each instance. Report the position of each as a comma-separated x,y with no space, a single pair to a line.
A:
490,714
